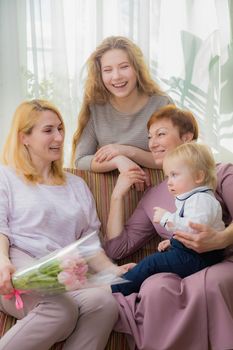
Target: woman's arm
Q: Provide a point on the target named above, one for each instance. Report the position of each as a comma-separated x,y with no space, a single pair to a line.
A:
125,180
100,262
140,156
123,239
122,163
6,267
103,160
137,155
108,157
86,147
206,238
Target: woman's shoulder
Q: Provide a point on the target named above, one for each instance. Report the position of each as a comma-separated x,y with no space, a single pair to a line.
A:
4,168
74,179
153,103
6,171
224,177
9,178
161,99
224,169
79,187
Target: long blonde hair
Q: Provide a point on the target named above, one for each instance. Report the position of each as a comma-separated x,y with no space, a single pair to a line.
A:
94,90
15,153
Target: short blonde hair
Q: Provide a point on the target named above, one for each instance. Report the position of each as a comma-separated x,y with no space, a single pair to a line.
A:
16,155
198,157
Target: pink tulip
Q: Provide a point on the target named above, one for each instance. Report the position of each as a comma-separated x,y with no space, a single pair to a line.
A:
74,274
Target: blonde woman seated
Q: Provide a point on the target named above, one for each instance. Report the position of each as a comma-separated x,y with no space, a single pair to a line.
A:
43,208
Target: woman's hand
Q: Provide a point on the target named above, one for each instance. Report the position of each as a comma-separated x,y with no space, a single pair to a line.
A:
203,240
108,152
133,177
6,270
138,178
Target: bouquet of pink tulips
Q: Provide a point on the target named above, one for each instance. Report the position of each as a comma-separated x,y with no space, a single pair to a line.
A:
66,269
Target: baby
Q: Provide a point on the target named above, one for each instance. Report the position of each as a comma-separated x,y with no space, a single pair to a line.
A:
191,173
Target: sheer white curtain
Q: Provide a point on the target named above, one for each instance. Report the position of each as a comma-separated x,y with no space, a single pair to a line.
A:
187,43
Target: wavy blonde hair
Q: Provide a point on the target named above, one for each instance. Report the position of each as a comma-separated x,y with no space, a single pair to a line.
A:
198,157
15,153
94,90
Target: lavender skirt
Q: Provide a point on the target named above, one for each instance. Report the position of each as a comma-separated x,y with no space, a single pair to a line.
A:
170,313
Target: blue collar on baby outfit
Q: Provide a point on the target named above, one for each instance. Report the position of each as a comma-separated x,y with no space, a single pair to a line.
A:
189,194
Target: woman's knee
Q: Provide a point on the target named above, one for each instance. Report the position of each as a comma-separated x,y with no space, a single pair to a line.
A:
159,283
107,301
62,312
98,300
219,280
108,305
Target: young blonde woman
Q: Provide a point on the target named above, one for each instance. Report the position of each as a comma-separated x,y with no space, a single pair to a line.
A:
43,208
119,97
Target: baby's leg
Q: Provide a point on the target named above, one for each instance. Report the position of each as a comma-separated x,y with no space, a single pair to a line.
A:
155,263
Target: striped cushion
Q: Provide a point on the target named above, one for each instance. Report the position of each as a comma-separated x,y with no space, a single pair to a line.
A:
101,186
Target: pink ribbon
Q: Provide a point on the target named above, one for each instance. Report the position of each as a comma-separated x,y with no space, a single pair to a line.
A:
18,300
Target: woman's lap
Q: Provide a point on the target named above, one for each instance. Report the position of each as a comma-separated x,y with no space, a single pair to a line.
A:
174,313
219,296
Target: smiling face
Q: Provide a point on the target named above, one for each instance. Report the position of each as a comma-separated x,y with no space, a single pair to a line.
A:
164,137
45,142
118,74
181,178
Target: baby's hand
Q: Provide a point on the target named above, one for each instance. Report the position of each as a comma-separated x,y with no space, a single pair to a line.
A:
164,245
158,214
125,268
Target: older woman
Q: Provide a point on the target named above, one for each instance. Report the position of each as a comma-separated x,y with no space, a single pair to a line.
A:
170,313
